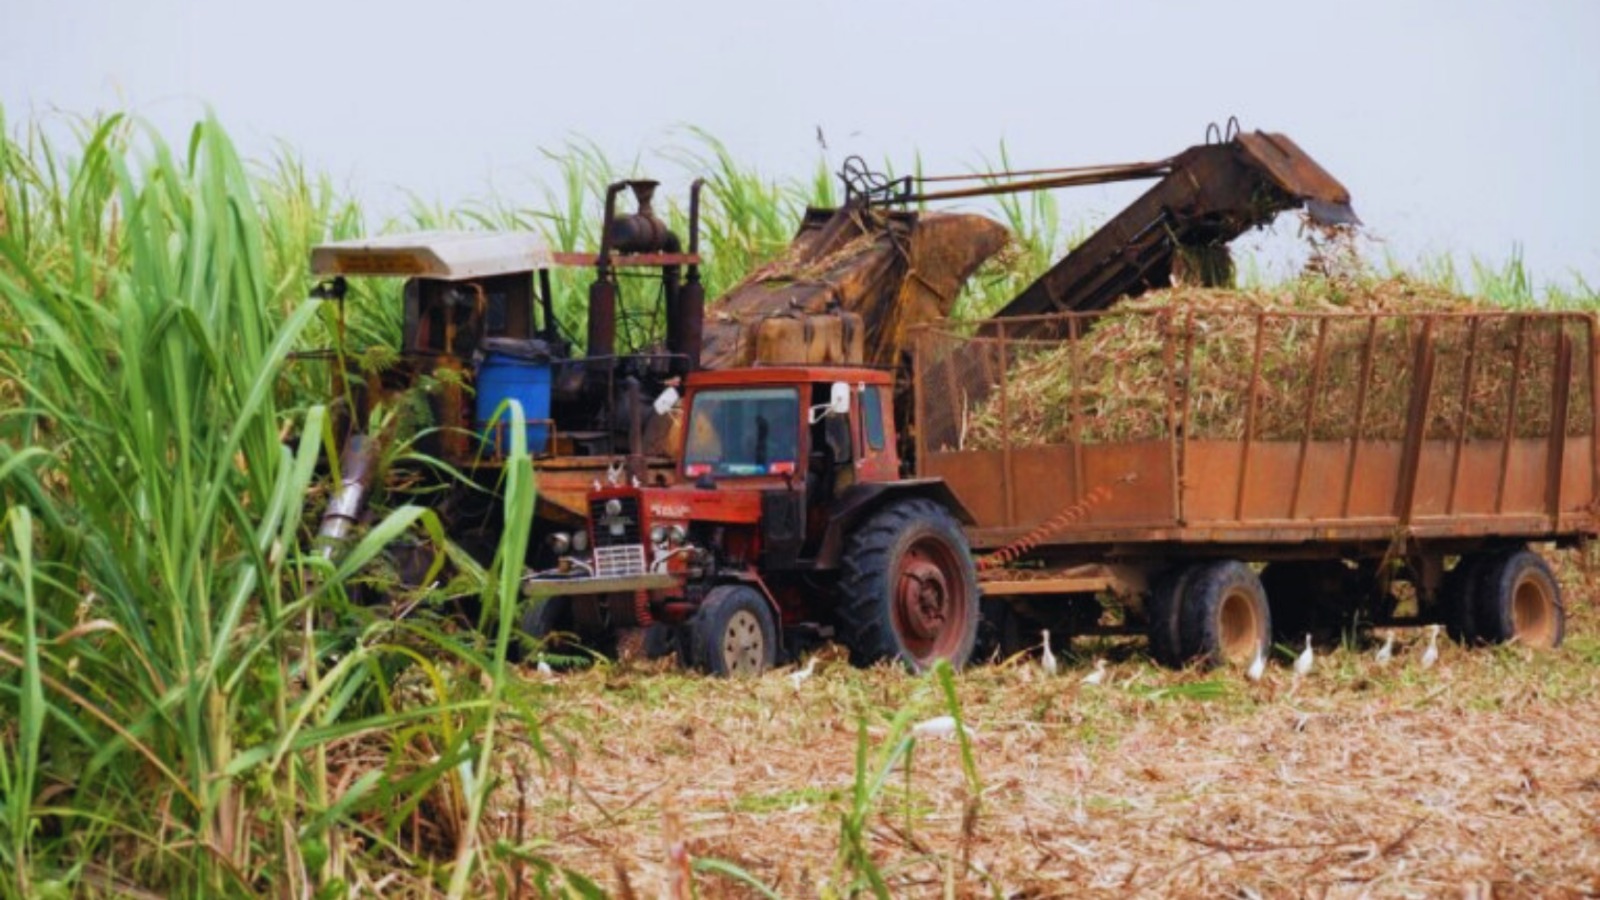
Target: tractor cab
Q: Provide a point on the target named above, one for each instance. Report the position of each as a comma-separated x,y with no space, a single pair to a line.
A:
813,430
790,520
766,454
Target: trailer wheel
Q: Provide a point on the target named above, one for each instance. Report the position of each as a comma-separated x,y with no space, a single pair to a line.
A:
1458,599
1518,599
1226,620
1163,607
908,589
733,634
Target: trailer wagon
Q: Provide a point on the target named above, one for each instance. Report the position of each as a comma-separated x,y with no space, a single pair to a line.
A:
1228,474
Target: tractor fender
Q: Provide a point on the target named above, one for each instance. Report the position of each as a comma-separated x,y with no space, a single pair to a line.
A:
859,501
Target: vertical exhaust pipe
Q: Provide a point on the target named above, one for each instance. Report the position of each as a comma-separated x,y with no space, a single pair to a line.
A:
602,336
691,312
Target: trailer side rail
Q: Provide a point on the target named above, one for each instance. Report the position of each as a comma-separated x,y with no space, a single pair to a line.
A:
1212,424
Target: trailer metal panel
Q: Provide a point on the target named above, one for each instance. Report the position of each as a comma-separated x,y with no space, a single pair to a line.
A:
1348,470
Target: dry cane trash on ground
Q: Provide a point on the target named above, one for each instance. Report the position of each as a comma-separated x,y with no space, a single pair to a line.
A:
1477,776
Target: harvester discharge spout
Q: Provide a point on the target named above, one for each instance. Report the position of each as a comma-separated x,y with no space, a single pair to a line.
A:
1206,197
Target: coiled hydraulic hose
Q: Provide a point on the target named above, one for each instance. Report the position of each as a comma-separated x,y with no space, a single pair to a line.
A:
1027,543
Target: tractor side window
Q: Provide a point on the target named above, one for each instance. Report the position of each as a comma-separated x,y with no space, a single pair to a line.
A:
743,432
872,414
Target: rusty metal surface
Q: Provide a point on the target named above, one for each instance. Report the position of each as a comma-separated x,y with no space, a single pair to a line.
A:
627,260
1208,195
1461,426
894,270
586,587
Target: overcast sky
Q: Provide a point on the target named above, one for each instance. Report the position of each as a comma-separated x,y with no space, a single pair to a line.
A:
1463,127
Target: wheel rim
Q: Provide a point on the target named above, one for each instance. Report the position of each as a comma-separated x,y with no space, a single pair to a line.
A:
1533,612
1239,628
931,600
743,645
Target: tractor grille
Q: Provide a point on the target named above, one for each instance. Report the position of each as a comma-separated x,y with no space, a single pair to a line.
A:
619,561
606,530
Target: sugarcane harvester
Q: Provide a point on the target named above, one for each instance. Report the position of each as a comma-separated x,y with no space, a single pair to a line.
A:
480,327
808,501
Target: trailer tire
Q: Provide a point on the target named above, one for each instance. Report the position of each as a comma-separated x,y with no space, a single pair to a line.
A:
908,589
1163,609
1226,619
733,634
1517,598
1458,599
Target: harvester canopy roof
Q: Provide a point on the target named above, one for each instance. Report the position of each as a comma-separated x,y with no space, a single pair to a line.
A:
446,255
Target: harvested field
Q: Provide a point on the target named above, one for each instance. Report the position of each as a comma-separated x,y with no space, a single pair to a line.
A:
1480,775
1197,348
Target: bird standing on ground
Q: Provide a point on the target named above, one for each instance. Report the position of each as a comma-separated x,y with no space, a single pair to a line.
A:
799,677
1431,655
1386,652
1098,676
1306,659
1258,667
543,668
1046,658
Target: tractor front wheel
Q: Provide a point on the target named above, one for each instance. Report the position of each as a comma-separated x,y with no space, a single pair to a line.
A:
733,634
908,589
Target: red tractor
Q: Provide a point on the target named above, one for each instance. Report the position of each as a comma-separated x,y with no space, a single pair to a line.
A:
791,523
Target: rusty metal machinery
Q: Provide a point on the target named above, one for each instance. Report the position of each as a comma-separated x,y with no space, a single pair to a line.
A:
884,269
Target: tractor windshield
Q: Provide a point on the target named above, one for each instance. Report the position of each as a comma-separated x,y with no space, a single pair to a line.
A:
743,431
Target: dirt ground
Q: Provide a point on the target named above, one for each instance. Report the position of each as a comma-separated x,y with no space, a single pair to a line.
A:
1479,776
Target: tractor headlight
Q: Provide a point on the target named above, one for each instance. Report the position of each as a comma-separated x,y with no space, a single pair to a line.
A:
580,541
658,534
676,535
559,543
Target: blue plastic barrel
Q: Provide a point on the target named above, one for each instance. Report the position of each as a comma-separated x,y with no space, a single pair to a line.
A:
505,376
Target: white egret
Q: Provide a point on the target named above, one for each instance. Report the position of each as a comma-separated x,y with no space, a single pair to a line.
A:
1431,655
1386,652
1046,658
798,677
1306,659
1258,667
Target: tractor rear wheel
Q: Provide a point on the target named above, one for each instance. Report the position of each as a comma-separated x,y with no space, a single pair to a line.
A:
1517,598
1226,620
908,589
733,634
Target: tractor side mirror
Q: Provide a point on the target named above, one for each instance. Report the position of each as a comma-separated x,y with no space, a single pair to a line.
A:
838,403
665,401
